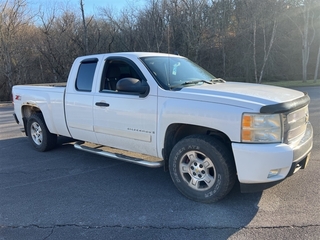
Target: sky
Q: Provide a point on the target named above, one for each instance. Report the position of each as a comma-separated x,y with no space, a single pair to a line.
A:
90,6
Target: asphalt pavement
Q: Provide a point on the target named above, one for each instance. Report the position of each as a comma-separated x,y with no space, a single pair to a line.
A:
70,194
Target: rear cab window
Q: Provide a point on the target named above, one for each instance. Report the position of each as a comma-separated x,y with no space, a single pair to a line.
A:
85,75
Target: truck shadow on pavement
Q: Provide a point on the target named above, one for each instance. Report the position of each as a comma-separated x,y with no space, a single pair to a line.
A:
69,189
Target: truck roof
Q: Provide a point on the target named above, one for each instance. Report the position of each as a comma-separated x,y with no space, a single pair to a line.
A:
133,54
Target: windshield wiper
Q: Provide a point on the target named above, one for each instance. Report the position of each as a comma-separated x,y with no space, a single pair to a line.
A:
211,81
218,80
191,82
197,81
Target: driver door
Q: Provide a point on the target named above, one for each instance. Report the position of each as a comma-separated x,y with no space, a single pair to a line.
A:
124,120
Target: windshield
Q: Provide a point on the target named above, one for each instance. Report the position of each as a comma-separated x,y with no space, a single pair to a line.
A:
171,72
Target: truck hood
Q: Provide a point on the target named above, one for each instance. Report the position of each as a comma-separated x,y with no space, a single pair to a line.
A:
252,96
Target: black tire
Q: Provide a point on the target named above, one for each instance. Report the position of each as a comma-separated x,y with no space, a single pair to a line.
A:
202,168
39,135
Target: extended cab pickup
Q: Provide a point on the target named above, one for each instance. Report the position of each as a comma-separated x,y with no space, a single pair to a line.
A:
158,110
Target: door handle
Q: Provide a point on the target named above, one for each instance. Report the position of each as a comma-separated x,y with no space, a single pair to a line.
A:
102,104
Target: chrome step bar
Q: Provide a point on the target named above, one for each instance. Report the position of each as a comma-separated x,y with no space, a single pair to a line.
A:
140,159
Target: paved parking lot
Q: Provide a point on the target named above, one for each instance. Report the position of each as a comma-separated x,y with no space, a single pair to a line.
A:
69,194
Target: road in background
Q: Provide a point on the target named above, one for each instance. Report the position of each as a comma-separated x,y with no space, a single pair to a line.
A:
69,194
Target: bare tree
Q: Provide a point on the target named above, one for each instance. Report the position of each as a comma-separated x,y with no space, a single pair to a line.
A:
193,21
317,66
155,23
267,47
60,40
124,27
316,71
85,24
306,30
237,39
224,10
264,19
308,17
13,22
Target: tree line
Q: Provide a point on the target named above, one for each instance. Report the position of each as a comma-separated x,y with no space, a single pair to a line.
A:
238,40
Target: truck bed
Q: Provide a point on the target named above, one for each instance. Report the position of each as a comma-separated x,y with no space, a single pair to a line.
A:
49,98
59,84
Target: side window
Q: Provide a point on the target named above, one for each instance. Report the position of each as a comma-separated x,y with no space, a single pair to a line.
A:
115,70
85,75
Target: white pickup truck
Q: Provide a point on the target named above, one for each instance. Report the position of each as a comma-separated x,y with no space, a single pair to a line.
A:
158,110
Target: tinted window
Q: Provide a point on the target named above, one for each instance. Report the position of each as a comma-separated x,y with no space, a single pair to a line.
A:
115,70
85,76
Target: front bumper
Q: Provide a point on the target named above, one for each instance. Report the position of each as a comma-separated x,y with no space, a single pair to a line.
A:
256,162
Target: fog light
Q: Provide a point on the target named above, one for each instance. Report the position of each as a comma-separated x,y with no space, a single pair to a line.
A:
274,172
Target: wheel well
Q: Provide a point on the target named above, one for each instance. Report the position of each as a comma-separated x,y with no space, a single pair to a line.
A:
176,132
26,112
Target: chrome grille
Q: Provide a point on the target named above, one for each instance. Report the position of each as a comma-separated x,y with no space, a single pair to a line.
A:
295,125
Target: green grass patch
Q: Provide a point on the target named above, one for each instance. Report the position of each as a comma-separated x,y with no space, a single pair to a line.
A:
288,84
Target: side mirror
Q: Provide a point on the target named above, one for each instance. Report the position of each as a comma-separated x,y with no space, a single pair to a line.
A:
132,85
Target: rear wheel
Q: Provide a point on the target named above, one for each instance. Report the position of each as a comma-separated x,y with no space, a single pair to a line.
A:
202,168
39,135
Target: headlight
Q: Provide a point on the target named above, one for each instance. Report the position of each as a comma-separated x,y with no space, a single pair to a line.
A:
261,128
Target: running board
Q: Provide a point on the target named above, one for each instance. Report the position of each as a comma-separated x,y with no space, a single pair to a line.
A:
136,158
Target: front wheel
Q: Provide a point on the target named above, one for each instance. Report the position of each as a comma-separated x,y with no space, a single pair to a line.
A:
202,168
39,135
